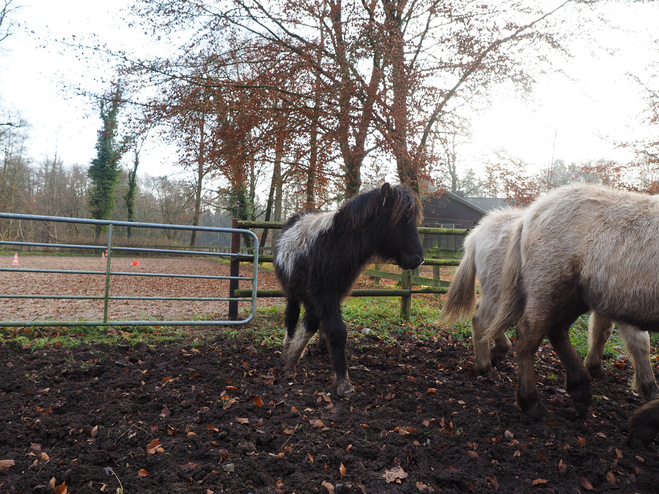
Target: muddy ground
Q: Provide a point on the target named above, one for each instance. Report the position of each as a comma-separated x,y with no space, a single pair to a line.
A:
216,415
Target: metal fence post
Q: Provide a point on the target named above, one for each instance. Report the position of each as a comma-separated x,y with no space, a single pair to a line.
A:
108,269
234,271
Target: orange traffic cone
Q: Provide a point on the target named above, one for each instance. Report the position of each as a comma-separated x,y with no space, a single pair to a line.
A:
15,259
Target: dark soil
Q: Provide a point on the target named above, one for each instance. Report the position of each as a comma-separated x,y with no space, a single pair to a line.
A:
221,418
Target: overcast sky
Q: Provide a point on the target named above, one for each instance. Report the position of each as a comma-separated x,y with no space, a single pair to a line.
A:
569,119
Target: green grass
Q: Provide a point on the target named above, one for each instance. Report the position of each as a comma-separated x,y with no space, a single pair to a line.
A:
380,315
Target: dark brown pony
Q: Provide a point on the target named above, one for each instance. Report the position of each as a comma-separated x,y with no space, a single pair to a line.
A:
319,256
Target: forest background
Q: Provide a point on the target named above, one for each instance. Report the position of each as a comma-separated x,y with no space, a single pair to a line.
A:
277,106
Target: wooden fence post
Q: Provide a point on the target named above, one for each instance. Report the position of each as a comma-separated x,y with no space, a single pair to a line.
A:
234,270
405,300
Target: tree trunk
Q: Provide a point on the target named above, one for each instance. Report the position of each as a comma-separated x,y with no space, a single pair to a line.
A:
129,198
201,165
276,179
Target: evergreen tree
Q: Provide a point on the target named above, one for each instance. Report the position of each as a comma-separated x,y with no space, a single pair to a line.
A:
105,170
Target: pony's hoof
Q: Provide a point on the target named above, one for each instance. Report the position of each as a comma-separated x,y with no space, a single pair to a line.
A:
493,375
344,388
596,372
639,441
289,372
536,410
581,408
651,394
581,399
497,355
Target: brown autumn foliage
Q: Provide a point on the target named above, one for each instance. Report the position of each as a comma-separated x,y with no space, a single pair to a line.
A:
317,96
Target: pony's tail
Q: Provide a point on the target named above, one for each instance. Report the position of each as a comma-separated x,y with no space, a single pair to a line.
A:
461,298
512,299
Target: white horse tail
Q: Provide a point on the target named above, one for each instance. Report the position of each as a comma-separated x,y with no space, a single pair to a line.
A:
462,292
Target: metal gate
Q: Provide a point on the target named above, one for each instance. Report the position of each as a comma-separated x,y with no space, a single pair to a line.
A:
105,276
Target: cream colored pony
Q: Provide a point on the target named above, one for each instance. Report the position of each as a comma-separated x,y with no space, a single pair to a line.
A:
580,248
484,254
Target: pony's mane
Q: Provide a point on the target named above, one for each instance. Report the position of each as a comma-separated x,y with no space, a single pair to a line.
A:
364,207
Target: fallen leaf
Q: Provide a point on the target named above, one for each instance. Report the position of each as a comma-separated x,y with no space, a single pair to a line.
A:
328,486
396,474
539,481
585,484
493,480
310,458
5,464
517,453
562,467
242,420
152,448
611,478
316,423
618,454
288,432
581,441
258,402
421,487
342,470
165,411
142,473
188,466
509,434
473,454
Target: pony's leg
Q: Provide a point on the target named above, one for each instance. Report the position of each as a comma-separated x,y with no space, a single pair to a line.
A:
291,317
502,346
337,335
299,342
637,345
483,362
577,379
528,341
644,424
599,331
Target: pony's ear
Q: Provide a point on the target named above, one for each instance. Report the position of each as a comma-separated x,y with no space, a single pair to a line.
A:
386,192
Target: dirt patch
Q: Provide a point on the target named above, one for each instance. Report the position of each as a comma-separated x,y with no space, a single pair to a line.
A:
221,418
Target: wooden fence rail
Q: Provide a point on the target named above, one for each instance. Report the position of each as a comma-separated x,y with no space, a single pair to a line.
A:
406,280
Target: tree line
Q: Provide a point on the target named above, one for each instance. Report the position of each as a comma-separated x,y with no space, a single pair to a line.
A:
288,105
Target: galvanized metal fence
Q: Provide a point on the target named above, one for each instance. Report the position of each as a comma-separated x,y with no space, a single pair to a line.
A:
106,275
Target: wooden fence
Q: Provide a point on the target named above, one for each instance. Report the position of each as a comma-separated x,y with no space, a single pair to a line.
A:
406,280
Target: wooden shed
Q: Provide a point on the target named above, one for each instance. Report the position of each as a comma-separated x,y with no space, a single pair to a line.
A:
445,209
